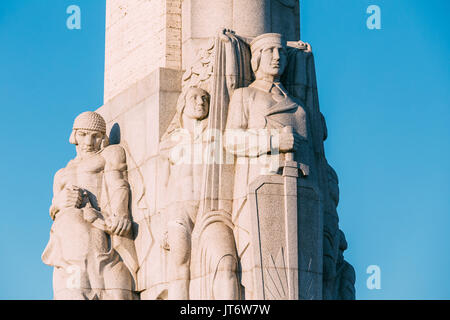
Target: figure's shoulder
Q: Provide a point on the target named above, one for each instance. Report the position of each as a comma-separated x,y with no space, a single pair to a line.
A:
71,164
115,154
246,90
70,168
243,93
238,92
61,174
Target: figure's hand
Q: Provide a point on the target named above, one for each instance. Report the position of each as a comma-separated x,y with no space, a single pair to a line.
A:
223,34
289,141
304,46
120,226
70,197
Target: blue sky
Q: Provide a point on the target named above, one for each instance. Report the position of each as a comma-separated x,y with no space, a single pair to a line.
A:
384,93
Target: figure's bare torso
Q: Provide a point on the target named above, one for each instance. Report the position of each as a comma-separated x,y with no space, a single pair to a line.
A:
86,174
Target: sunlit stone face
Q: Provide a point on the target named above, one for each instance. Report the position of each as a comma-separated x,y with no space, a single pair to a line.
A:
273,60
197,104
88,141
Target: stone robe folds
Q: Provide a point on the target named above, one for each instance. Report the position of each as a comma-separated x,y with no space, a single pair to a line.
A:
256,114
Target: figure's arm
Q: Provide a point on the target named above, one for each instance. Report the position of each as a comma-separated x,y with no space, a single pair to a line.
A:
57,188
118,189
250,142
247,143
239,139
64,196
167,144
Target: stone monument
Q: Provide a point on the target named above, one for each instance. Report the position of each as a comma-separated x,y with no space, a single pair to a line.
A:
214,184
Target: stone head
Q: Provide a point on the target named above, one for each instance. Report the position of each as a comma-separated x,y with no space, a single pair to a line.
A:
196,103
89,133
268,55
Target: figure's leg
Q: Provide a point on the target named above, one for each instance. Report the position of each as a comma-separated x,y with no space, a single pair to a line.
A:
179,256
179,238
70,284
222,250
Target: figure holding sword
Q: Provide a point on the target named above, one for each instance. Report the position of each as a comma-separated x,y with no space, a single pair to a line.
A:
264,112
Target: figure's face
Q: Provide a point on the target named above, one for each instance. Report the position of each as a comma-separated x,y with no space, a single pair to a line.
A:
88,141
273,60
197,104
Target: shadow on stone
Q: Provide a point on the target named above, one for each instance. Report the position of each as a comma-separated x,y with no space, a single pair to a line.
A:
114,135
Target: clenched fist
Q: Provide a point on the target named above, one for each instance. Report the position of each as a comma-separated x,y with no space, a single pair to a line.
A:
70,197
120,226
288,141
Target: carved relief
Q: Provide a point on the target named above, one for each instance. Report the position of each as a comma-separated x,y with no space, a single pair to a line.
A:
261,226
91,246
230,227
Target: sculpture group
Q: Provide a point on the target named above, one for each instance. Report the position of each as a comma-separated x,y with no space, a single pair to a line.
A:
249,201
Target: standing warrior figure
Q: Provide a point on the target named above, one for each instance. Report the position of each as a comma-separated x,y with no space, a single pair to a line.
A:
90,245
263,121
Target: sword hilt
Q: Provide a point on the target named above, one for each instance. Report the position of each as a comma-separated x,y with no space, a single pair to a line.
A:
289,155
